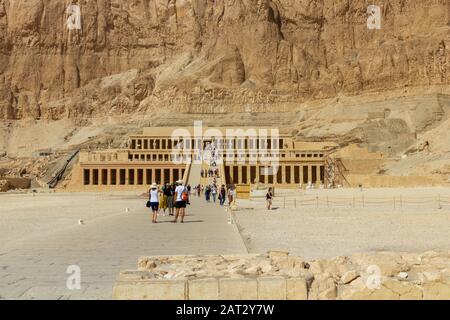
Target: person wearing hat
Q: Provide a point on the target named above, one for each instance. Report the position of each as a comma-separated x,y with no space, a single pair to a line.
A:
154,201
181,195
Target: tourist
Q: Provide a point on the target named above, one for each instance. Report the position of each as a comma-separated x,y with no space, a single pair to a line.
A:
269,199
154,201
168,192
214,192
222,194
208,193
230,195
181,196
163,200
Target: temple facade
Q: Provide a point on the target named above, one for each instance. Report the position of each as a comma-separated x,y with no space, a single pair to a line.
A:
241,156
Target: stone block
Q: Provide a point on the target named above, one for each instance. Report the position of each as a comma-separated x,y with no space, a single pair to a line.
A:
238,289
296,289
349,276
436,291
150,290
272,288
203,289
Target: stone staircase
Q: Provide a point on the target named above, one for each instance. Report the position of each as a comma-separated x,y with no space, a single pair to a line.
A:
194,175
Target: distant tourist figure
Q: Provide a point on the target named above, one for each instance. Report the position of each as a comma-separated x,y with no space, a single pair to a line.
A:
163,200
154,201
168,192
214,192
222,195
230,195
208,193
182,197
269,199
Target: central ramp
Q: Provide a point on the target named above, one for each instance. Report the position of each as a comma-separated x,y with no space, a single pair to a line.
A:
195,174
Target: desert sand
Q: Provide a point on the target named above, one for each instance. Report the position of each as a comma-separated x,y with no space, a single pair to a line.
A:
339,228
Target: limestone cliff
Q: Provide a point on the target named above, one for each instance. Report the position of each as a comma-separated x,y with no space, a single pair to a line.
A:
211,55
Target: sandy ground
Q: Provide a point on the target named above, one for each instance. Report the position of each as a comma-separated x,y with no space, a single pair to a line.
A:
40,238
342,226
25,216
40,235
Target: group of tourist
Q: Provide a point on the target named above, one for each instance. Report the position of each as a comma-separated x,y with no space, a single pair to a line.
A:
170,196
209,173
213,193
175,198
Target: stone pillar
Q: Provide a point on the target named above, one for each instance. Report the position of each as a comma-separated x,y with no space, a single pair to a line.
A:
249,175
309,173
318,172
283,174
263,177
91,177
162,174
239,177
258,173
127,176
292,174
301,174
152,173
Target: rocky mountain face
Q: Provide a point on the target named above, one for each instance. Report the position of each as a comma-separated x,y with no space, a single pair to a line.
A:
208,56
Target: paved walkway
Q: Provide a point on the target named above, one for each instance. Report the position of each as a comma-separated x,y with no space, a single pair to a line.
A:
35,268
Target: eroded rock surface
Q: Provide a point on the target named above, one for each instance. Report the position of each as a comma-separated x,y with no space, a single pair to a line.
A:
172,54
384,275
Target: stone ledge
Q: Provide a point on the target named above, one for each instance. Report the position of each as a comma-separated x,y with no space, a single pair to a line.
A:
278,276
267,288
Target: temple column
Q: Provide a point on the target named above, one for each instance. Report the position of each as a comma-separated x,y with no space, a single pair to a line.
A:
318,173
127,176
239,181
258,172
300,174
292,174
91,177
309,173
283,174
152,176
